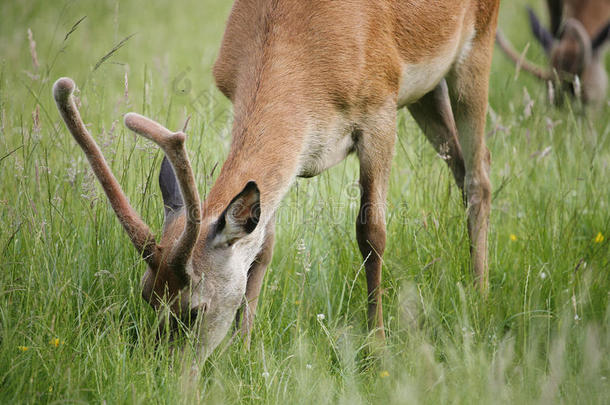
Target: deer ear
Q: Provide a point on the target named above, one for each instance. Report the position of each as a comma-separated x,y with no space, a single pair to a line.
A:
170,190
542,35
601,38
241,216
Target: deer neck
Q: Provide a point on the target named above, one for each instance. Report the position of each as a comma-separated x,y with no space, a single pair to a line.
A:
267,142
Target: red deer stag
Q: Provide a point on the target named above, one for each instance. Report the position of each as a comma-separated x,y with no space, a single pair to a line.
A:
310,82
574,45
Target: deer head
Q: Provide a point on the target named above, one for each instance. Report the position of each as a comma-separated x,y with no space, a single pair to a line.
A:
573,53
198,270
574,47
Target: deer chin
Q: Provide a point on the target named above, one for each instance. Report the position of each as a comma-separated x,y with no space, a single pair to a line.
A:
223,290
214,326
220,313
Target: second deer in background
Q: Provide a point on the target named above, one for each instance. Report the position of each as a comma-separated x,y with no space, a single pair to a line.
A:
574,44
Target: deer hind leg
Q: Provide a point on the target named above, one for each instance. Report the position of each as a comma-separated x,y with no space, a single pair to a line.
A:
434,116
375,148
468,88
245,315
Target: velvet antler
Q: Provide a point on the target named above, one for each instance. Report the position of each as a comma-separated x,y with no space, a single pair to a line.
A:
172,144
136,229
520,60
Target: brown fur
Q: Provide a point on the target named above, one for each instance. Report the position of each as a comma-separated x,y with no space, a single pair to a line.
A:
593,14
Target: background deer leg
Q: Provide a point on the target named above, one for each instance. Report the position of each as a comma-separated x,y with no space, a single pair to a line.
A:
375,148
468,88
434,116
245,315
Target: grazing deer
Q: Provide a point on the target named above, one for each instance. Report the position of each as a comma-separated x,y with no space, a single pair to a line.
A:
310,82
574,45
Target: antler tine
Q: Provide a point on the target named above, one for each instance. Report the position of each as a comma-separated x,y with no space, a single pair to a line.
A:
173,145
520,60
138,231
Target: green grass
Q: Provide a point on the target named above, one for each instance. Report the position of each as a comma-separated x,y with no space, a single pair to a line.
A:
68,272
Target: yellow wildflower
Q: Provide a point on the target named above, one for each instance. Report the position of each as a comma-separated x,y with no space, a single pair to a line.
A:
513,237
55,342
384,374
23,348
599,238
297,302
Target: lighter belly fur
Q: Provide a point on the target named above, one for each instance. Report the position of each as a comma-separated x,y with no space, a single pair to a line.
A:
329,144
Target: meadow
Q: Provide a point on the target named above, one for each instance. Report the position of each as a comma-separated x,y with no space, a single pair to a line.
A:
74,328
